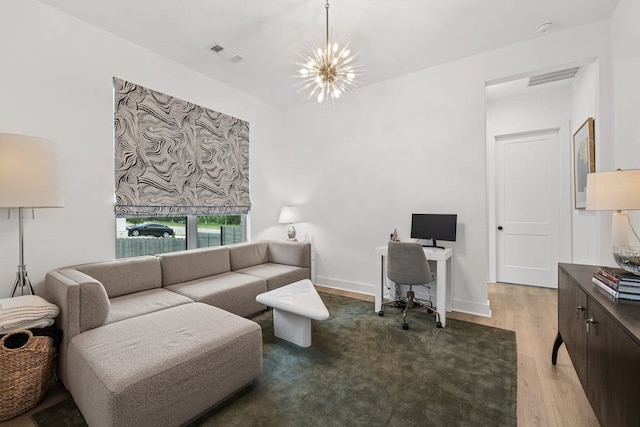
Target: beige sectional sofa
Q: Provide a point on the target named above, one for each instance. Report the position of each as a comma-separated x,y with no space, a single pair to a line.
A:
158,340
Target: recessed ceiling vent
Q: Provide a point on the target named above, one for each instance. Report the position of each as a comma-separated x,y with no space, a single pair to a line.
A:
225,53
554,76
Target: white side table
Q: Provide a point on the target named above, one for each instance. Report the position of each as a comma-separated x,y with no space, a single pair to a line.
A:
294,306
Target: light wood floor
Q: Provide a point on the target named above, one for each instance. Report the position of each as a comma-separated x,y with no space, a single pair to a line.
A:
547,395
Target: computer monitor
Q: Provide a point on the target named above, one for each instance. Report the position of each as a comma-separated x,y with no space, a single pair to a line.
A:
434,227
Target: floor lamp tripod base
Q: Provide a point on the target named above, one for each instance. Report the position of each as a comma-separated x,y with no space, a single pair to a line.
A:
22,282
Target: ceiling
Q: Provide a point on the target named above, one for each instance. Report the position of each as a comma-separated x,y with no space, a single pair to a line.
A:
396,37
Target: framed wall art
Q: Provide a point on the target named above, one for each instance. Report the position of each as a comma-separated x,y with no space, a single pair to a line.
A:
584,160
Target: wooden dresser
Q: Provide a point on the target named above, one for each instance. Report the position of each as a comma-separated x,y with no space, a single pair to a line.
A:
602,337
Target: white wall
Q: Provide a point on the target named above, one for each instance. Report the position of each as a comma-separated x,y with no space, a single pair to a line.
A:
530,111
616,127
537,110
586,246
415,143
57,83
626,65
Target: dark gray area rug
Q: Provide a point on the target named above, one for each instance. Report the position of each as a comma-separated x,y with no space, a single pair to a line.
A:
365,370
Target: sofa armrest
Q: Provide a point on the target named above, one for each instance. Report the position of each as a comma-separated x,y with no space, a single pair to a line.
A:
290,253
94,304
83,304
82,300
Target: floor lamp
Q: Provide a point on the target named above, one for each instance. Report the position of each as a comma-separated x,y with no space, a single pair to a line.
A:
29,178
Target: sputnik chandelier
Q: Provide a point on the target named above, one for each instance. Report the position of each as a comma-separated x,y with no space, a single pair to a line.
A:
329,72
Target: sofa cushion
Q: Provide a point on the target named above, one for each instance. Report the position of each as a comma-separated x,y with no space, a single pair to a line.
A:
125,276
192,264
231,291
277,275
162,368
245,255
139,303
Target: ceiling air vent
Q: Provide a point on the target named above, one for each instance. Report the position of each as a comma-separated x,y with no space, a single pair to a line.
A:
225,53
554,76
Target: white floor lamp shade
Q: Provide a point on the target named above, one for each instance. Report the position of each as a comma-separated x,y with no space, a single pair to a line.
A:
29,178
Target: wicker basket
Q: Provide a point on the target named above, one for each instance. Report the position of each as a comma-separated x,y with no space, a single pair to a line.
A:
25,373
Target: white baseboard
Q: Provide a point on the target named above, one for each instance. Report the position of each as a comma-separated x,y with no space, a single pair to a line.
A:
344,285
470,307
462,306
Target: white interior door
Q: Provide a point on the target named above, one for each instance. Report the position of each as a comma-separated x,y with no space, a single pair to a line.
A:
527,208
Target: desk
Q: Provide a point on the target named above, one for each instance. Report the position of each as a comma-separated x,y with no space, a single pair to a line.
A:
443,279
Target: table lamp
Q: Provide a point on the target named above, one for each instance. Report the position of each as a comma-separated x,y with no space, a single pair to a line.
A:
289,215
618,191
29,178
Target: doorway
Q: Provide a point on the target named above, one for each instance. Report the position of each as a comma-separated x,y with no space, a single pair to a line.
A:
527,207
528,150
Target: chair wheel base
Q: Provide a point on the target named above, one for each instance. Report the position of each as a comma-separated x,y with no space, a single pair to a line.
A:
405,326
381,313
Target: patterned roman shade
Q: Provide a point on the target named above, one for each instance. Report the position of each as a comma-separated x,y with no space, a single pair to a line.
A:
174,158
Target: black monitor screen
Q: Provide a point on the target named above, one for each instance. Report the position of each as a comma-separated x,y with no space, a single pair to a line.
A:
434,227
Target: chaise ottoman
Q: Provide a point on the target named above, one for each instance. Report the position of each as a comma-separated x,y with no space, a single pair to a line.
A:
162,368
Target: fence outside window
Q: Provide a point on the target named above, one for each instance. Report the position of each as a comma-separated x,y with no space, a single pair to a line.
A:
127,247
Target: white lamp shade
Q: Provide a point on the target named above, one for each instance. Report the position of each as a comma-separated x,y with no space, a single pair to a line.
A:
289,215
29,173
613,191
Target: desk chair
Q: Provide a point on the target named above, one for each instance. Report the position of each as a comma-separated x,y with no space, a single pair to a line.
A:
407,265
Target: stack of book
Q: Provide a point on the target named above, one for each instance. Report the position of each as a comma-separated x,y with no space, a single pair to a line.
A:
618,282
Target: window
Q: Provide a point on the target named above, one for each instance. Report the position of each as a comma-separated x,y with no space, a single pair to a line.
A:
181,173
151,236
220,230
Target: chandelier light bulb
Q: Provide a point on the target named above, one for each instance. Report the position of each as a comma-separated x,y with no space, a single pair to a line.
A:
324,73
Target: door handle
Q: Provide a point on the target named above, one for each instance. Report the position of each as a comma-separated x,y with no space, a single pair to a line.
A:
500,227
590,321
